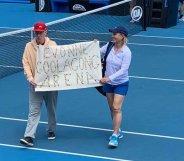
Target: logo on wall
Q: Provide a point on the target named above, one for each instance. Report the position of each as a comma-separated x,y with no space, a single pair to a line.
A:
136,13
79,7
41,5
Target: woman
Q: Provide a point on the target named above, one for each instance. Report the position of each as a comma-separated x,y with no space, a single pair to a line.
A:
116,79
181,9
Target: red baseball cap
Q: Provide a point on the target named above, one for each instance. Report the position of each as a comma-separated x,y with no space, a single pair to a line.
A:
40,26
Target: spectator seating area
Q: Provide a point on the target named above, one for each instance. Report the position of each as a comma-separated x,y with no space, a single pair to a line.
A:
76,5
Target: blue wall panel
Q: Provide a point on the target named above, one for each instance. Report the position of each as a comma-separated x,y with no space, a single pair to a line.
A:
15,1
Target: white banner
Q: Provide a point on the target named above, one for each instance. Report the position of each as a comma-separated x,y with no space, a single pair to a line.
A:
68,66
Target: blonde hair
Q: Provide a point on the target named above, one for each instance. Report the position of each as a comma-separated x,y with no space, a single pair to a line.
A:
125,40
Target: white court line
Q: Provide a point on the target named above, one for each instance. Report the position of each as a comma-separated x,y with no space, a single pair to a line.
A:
9,66
105,33
160,37
12,28
100,33
156,45
136,77
100,129
159,79
139,44
64,152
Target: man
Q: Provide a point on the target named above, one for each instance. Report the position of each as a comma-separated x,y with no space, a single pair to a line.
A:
36,98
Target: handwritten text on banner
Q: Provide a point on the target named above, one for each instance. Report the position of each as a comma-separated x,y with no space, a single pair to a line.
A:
65,67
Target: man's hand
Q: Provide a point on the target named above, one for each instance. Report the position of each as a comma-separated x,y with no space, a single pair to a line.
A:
32,81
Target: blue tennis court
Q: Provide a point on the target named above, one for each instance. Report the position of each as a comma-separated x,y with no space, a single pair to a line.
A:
152,113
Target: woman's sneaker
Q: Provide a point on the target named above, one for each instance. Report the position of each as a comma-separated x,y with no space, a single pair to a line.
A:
113,141
120,135
27,141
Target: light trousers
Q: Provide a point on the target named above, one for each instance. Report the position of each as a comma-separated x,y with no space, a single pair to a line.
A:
35,104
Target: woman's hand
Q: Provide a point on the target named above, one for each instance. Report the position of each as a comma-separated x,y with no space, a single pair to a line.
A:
104,80
95,40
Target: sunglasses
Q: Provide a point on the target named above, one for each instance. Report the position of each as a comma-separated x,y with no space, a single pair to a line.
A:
39,32
114,33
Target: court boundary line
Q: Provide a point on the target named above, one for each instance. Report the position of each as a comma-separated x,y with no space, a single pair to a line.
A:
138,44
101,129
136,77
12,28
159,37
156,45
136,35
63,152
158,79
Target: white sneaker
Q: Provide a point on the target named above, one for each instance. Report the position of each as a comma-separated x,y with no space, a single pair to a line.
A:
181,19
114,141
120,135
